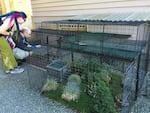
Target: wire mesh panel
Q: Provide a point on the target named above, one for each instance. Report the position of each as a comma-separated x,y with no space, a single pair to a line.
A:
129,93
39,57
115,44
122,40
57,70
102,43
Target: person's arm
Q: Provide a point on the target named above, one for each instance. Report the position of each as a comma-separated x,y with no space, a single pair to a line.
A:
5,26
23,45
32,45
25,41
20,42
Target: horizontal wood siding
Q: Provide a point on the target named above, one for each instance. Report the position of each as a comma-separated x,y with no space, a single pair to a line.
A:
46,10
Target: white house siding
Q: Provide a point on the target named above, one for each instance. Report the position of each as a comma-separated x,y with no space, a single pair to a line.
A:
115,29
46,10
136,32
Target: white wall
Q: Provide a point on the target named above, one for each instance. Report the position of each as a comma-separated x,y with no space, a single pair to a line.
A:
46,10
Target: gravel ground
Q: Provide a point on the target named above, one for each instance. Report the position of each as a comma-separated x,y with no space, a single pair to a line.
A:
141,106
17,96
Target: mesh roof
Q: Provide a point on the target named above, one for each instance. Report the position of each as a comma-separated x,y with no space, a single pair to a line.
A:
132,16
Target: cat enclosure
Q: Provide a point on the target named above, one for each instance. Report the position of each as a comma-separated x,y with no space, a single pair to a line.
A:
121,45
116,43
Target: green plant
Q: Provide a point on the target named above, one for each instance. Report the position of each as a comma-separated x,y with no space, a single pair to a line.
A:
91,89
103,101
72,89
96,95
116,85
74,78
50,85
77,66
98,89
93,64
80,106
104,75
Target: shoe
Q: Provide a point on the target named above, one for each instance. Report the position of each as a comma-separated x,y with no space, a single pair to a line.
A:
7,72
16,70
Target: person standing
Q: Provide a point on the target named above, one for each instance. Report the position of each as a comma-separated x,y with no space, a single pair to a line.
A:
7,22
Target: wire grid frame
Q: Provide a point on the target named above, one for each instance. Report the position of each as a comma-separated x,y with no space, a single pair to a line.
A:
109,40
129,90
122,41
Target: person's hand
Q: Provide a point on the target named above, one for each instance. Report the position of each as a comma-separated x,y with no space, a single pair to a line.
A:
38,46
29,45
